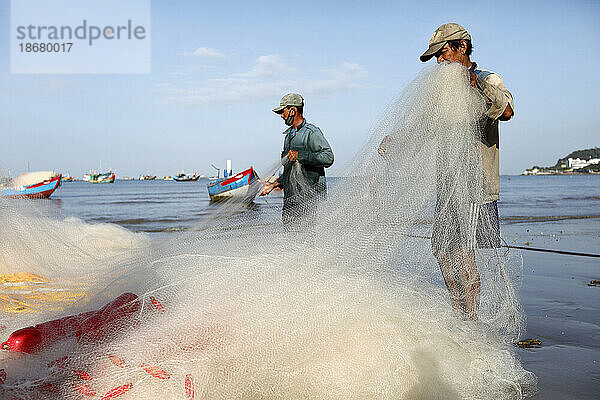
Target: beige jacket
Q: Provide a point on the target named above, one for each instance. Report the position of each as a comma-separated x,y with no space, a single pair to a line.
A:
491,85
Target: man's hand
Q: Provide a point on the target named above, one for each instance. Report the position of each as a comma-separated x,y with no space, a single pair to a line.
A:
268,188
507,114
473,79
383,145
292,155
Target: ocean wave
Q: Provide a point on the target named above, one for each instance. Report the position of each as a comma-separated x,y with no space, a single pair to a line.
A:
544,218
581,198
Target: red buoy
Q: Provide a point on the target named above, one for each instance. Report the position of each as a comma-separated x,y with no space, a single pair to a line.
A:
189,387
117,392
85,389
91,326
155,371
157,304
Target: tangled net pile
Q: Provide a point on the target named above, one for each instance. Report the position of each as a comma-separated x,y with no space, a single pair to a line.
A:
353,307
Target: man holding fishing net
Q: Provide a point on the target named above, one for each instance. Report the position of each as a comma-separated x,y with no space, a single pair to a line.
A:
462,225
306,153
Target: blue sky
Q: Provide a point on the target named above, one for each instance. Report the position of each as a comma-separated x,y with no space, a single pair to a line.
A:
217,69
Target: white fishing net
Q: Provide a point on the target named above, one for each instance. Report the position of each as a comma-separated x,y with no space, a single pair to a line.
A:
349,303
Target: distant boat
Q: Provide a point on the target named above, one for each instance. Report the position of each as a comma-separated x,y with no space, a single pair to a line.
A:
147,177
243,186
39,184
186,178
107,177
66,178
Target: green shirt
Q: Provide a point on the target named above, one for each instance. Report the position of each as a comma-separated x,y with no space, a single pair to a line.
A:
314,155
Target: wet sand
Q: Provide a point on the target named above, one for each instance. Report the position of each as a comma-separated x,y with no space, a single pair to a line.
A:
562,310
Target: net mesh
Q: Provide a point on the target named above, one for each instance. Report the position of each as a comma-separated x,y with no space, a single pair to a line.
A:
347,300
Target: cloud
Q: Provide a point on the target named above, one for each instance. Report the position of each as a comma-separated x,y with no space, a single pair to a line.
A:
266,66
269,77
204,52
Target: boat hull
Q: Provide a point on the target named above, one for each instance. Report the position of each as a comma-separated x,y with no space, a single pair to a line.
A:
187,179
242,187
36,191
103,178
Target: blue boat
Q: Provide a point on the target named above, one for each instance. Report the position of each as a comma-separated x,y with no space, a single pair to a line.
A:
32,185
243,186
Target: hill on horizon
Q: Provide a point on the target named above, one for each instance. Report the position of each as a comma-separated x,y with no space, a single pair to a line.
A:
581,154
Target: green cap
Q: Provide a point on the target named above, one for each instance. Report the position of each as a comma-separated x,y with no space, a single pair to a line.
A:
443,35
290,99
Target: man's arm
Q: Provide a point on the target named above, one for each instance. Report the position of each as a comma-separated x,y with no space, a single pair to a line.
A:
383,146
501,105
319,153
268,187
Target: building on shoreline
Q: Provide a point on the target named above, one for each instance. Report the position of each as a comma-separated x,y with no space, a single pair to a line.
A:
577,163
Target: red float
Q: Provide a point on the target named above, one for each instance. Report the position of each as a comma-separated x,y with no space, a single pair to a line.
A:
117,392
90,326
155,371
189,387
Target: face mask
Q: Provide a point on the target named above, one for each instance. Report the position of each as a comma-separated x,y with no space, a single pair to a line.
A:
290,119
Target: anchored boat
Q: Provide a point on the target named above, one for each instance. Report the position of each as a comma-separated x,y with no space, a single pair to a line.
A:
243,186
107,177
40,184
186,178
66,178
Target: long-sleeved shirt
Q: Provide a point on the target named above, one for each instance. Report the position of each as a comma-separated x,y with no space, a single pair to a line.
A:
491,85
314,155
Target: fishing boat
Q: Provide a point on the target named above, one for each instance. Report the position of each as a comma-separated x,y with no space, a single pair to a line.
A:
186,178
107,177
40,184
66,178
243,186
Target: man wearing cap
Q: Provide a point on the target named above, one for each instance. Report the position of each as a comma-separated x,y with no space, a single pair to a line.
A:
452,43
306,154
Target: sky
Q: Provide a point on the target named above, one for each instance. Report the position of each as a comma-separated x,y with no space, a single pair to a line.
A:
218,68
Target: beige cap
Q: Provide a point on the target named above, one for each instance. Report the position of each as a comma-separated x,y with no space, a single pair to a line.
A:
443,35
290,99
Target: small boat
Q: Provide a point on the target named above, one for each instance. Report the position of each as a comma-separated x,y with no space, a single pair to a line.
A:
33,185
243,186
66,178
147,177
186,178
107,177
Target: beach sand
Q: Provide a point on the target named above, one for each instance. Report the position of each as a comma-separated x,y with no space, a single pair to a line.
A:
562,310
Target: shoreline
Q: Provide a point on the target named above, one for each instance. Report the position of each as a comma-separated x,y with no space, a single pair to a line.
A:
560,307
556,173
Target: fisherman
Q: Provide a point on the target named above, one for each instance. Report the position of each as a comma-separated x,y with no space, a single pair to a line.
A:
451,43
306,154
